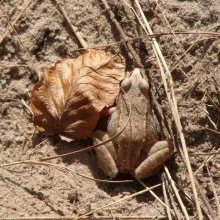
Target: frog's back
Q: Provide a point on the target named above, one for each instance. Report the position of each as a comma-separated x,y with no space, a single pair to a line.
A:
139,135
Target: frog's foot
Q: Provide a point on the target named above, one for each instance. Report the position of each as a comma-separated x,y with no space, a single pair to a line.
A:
159,153
106,155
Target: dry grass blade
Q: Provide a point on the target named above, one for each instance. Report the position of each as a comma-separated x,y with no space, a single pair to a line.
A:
34,148
70,171
177,194
173,105
73,28
173,202
123,35
7,99
214,192
15,21
120,200
180,59
56,167
199,38
155,35
208,159
152,193
27,106
208,212
209,129
20,41
189,199
174,34
63,168
166,201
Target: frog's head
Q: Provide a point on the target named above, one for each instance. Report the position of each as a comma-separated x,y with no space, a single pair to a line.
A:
137,80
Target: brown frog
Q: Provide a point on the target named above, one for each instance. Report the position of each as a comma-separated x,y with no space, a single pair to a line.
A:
136,150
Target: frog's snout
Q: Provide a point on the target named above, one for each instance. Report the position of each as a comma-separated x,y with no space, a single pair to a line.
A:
136,73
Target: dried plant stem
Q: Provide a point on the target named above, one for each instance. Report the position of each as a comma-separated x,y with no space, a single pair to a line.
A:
203,196
27,106
173,105
122,35
158,5
166,201
173,203
152,193
126,39
177,194
19,39
205,154
15,21
190,200
209,211
214,192
73,28
120,200
187,51
206,161
214,34
62,169
25,144
22,102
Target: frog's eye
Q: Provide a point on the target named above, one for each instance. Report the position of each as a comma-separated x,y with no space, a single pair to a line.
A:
126,84
144,86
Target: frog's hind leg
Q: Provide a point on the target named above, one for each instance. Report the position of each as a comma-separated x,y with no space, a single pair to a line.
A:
159,153
106,154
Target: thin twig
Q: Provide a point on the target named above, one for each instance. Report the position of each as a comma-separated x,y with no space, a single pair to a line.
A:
62,168
206,161
15,21
123,35
204,154
166,201
73,28
177,194
27,106
126,39
174,34
173,202
187,51
12,27
214,191
209,129
152,193
35,147
205,201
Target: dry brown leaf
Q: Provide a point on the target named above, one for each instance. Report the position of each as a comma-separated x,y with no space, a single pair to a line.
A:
70,96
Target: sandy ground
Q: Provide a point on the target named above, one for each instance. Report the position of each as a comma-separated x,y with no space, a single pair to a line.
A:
40,38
